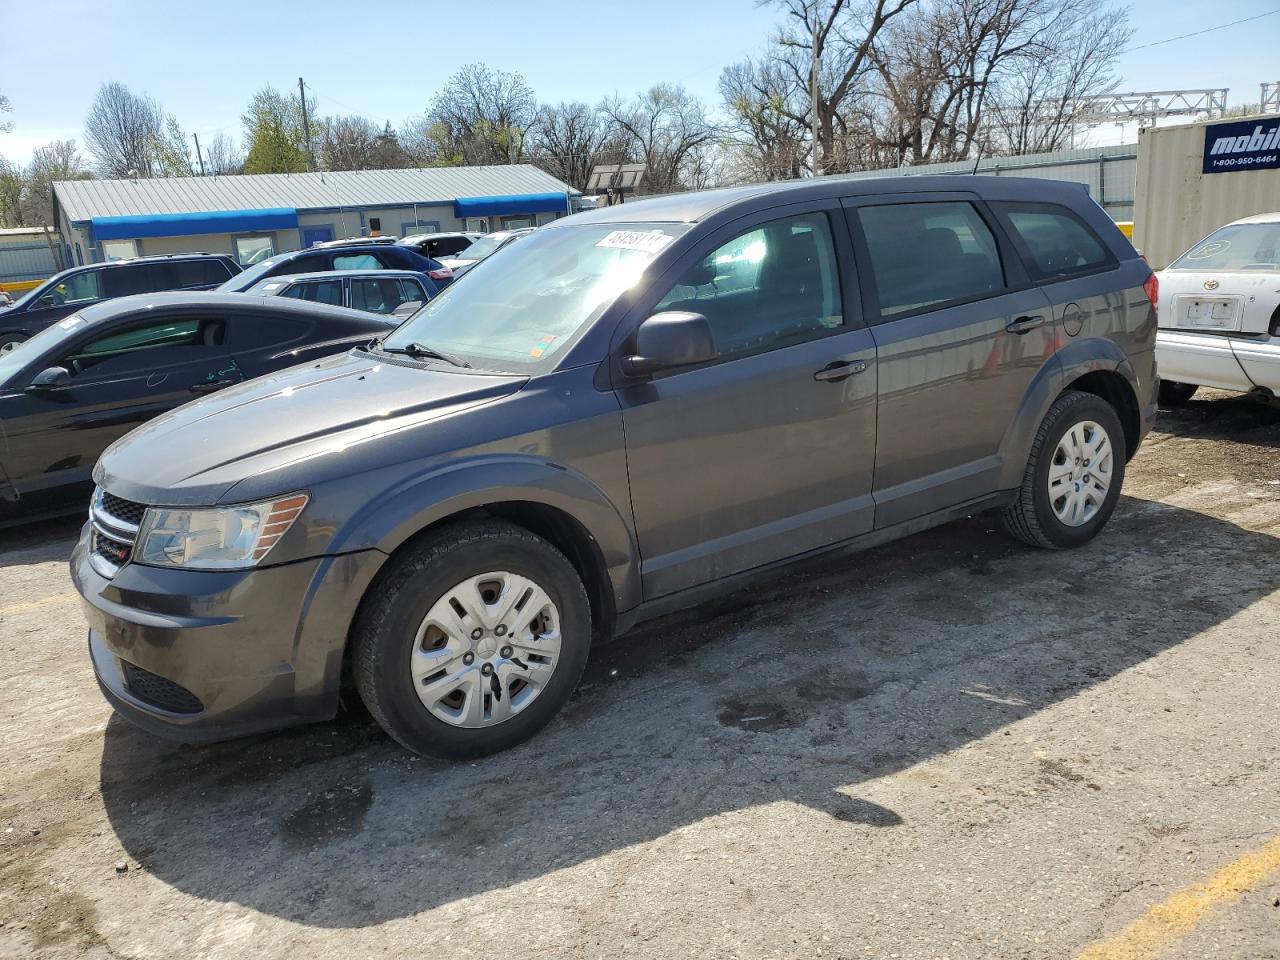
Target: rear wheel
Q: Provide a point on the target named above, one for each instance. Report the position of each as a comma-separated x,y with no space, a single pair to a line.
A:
472,641
10,340
1175,394
1074,474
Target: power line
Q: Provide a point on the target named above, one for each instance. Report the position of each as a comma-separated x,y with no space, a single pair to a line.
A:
1197,33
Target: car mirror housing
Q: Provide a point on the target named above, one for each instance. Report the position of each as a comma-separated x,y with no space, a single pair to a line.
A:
671,339
54,378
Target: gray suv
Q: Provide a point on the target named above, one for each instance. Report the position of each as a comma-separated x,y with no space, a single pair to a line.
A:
628,410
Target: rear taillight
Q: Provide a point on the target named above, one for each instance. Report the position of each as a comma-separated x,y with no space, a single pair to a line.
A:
1151,286
444,273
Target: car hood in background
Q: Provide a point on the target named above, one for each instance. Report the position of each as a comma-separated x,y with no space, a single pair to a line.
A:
195,454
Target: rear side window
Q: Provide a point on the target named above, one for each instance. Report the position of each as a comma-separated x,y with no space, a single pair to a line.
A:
317,291
136,278
774,285
259,333
1053,241
378,295
200,273
927,254
447,246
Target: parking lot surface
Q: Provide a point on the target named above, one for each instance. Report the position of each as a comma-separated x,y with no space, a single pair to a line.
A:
952,746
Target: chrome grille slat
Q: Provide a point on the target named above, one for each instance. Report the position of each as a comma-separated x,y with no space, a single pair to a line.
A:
115,522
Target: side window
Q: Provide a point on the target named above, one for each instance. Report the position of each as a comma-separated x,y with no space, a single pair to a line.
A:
158,343
773,285
925,254
200,273
259,333
317,291
311,263
1053,240
447,246
80,288
124,281
357,261
376,296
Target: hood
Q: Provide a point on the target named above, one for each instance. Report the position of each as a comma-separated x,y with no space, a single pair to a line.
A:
1218,301
195,454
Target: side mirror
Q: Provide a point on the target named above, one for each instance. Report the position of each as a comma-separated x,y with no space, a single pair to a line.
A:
672,339
54,378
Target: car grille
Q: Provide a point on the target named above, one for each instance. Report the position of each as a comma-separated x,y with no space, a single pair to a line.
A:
158,692
115,529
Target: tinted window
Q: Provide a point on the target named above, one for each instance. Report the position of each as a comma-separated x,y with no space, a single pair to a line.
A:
1054,240
382,296
159,343
257,333
357,261
78,288
774,285
446,246
924,254
200,273
317,291
136,278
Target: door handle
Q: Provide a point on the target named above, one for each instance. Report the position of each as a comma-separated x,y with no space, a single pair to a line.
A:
840,370
211,386
1025,324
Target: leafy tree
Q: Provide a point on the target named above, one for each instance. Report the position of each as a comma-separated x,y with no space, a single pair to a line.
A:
274,132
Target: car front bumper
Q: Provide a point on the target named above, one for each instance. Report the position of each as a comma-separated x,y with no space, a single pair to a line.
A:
208,655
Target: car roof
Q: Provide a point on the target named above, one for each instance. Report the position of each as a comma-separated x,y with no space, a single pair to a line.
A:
129,261
1258,218
416,237
703,204
196,301
338,274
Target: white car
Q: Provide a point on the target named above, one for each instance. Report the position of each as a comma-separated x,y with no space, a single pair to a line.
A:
1219,313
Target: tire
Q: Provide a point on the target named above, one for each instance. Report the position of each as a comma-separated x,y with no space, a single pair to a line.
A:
10,340
1175,394
394,636
1034,516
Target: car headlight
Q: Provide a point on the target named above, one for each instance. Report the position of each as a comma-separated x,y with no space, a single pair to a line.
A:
219,538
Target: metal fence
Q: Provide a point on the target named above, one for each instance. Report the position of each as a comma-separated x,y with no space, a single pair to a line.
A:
26,255
1110,173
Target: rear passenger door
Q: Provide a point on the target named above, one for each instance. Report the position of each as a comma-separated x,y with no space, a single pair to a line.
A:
260,343
960,336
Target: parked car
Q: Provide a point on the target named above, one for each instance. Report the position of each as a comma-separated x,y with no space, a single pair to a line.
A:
365,256
1220,313
74,289
395,292
486,246
353,242
644,405
78,385
440,245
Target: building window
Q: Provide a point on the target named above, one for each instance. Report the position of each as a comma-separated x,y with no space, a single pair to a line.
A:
119,249
410,229
251,250
518,223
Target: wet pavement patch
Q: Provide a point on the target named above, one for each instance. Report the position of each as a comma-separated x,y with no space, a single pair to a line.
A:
333,815
756,716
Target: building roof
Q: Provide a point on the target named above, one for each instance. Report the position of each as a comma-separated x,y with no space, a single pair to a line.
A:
82,200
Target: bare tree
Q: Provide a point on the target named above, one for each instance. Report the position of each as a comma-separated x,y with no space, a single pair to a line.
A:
222,156
356,143
766,134
480,116
667,129
5,107
569,139
122,132
55,161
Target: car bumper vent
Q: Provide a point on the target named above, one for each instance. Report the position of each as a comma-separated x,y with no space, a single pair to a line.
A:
155,690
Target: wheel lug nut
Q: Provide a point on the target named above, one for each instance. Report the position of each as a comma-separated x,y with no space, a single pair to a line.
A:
506,651
468,658
500,630
487,669
477,633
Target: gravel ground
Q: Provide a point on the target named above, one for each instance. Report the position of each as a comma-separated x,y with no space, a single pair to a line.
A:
949,747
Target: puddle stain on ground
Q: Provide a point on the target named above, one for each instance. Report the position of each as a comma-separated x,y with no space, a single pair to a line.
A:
332,816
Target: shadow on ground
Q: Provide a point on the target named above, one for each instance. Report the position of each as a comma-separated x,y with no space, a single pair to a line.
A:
800,691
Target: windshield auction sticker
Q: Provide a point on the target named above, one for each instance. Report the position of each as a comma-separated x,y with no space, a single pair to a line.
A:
1245,145
642,240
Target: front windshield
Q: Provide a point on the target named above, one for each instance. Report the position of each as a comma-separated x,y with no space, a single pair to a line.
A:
247,278
13,361
526,305
1239,246
481,248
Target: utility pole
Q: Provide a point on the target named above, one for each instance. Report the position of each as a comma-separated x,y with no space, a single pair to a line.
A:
815,66
306,123
199,155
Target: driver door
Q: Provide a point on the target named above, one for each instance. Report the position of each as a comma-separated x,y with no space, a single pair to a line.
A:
119,379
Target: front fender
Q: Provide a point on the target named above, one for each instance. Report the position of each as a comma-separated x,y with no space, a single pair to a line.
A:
391,518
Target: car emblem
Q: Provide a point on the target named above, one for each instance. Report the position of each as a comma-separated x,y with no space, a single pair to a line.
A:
1211,284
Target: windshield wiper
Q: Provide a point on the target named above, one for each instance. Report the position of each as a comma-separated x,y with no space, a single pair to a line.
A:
417,350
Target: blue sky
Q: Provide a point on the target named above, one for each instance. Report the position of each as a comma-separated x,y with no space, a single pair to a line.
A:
385,59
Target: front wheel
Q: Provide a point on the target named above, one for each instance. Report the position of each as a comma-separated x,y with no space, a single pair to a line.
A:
1074,474
472,640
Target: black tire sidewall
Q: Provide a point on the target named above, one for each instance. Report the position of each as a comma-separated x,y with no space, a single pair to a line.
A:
1085,408
408,719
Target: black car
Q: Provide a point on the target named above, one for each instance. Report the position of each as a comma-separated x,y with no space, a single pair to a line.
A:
74,388
367,256
77,288
440,244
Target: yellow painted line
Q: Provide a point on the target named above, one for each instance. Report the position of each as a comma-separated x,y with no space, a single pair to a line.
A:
37,604
1169,921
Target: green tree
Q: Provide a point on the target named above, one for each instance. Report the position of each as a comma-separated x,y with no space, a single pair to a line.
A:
273,129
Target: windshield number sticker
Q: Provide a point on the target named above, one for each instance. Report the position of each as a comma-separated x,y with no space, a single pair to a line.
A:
642,240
